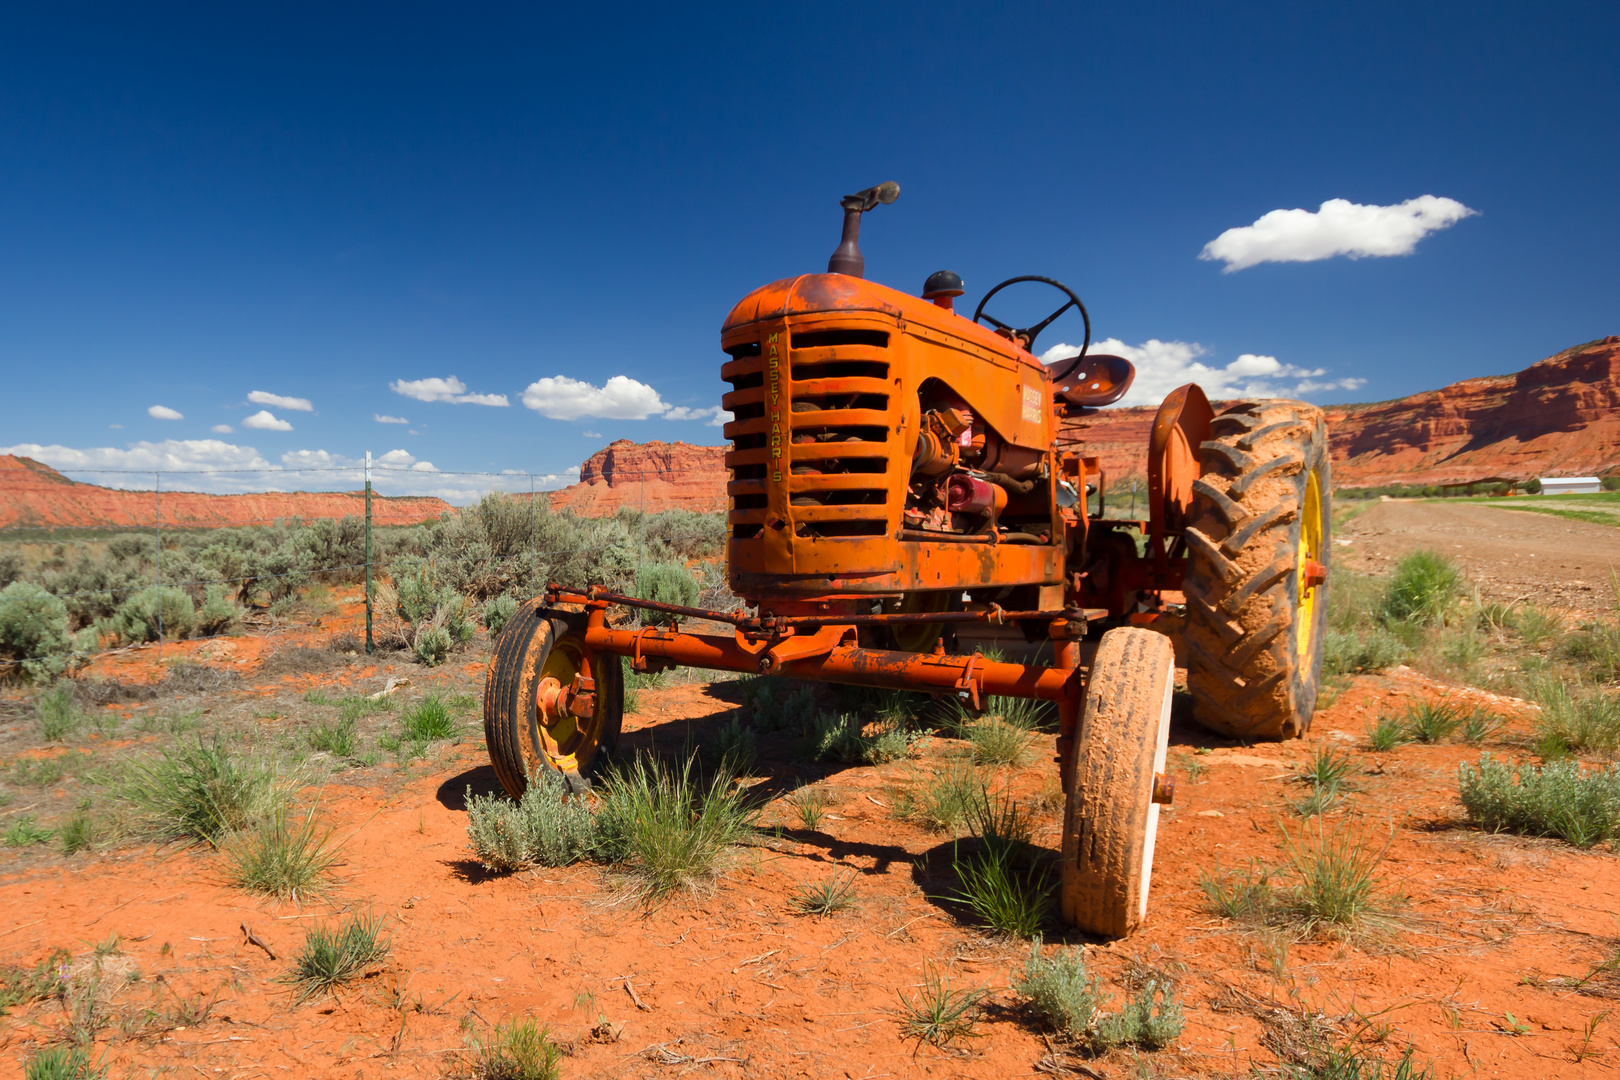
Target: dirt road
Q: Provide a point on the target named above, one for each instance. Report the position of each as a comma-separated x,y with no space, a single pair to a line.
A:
1509,554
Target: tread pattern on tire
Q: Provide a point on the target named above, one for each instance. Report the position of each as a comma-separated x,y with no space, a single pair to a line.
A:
508,697
1111,789
1243,669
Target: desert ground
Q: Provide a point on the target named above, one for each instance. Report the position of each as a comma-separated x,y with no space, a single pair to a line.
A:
1488,959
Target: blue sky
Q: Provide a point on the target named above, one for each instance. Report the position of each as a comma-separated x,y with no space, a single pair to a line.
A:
326,206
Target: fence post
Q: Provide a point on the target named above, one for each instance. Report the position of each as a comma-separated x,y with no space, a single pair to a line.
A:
370,647
157,536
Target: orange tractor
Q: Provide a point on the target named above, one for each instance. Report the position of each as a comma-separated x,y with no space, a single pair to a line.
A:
903,486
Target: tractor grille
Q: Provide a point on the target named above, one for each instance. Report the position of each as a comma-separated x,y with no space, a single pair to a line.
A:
837,446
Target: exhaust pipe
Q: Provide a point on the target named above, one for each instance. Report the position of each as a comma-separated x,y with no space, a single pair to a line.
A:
847,259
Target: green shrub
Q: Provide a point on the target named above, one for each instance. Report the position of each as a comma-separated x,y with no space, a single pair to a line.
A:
734,747
204,790
1006,891
547,827
1244,896
34,639
774,704
57,714
998,742
334,955
336,737
1370,649
219,614
140,617
1423,588
1535,625
1151,1020
429,719
24,986
1558,799
1061,995
518,1049
24,832
847,738
63,1063
498,612
942,801
664,583
1433,721
1059,992
672,829
1595,647
77,833
1387,733
1575,718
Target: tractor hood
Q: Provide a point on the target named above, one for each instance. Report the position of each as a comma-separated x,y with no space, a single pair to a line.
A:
811,294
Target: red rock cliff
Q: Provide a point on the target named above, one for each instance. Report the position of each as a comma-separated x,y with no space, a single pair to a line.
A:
34,495
1558,417
652,476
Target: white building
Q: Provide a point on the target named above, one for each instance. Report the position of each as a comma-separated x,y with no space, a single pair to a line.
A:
1570,485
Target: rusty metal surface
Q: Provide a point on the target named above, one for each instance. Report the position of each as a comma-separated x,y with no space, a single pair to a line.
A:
1179,429
840,660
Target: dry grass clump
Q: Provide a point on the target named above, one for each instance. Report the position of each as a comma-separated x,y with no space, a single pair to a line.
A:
285,855
332,955
1328,883
937,1014
518,1049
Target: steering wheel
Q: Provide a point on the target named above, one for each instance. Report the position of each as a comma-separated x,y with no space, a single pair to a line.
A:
1029,333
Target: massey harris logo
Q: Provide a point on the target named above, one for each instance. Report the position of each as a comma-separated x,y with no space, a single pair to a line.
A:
774,385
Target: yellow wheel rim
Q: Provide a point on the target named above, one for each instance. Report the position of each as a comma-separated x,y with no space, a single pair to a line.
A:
1310,551
918,637
566,739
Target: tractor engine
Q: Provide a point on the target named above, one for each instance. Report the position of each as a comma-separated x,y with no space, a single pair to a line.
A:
885,445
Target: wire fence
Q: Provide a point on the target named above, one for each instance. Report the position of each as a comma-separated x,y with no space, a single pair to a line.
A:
502,483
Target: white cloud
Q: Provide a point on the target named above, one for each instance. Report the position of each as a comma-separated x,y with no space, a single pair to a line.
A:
383,419
163,412
451,390
219,467
1161,366
297,404
620,398
591,434
716,416
572,470
116,427
222,429
1339,227
264,420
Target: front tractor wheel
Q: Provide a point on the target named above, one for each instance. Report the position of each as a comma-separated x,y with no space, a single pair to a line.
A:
1116,783
1256,583
550,704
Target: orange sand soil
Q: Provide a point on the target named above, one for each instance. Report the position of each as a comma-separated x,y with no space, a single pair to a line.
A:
1490,926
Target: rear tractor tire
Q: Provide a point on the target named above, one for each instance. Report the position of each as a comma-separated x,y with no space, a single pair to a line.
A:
1256,583
539,651
1114,782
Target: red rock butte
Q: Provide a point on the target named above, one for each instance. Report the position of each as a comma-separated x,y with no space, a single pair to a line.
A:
34,495
648,476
